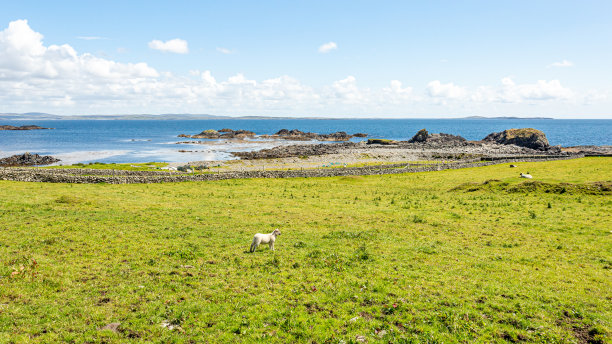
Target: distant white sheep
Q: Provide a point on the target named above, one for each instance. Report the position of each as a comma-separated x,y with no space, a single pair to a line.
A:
528,176
264,239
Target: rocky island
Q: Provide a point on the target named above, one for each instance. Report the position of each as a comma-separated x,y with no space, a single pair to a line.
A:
23,127
283,134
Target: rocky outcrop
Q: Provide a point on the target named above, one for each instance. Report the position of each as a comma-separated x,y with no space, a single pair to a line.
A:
422,136
525,137
221,134
23,127
28,159
295,151
446,139
283,134
298,135
381,142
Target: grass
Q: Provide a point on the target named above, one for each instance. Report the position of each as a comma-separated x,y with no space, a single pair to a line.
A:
392,258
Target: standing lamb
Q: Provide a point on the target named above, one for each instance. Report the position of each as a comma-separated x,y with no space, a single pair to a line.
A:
264,239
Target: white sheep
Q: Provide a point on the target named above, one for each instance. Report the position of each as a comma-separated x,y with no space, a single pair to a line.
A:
264,239
528,176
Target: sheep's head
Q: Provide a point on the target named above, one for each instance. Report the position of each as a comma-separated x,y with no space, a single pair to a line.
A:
276,232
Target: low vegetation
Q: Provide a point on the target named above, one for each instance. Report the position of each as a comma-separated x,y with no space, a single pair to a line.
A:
416,258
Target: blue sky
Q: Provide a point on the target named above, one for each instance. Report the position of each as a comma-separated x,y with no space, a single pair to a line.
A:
387,58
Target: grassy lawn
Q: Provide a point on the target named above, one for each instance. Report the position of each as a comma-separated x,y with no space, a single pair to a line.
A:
435,257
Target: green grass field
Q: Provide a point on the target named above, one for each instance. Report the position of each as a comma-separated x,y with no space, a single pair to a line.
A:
438,257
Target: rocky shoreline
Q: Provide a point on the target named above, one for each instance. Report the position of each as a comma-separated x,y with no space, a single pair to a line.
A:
424,145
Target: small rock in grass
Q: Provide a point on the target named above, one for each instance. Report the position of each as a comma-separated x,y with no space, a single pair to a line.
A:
360,339
382,333
169,326
112,327
354,319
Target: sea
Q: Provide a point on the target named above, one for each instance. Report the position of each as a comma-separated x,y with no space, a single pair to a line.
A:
139,141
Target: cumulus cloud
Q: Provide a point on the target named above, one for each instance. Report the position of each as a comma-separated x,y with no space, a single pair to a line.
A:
327,47
451,91
541,90
177,46
23,56
564,63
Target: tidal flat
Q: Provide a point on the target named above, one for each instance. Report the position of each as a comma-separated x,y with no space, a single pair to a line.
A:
467,255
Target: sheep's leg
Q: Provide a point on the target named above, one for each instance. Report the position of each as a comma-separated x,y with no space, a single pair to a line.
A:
272,245
253,246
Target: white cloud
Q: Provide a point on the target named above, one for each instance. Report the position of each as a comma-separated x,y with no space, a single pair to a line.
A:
451,91
177,46
564,63
57,78
541,90
511,92
224,51
24,57
327,47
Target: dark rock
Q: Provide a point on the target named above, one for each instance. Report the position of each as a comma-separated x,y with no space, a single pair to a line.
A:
380,142
447,139
420,136
525,137
28,159
337,136
298,135
360,135
206,134
23,127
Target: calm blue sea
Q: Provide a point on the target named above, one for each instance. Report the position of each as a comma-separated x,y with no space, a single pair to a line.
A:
154,140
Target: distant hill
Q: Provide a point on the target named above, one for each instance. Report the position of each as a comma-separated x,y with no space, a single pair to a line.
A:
30,116
505,117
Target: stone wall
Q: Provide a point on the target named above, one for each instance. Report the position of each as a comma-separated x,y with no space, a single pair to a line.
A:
91,176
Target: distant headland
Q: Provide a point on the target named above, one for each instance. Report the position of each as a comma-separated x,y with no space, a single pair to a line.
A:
187,116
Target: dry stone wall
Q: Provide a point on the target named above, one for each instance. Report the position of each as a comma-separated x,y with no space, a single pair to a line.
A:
91,176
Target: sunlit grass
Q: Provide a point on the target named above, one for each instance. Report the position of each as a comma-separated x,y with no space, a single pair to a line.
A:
392,258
